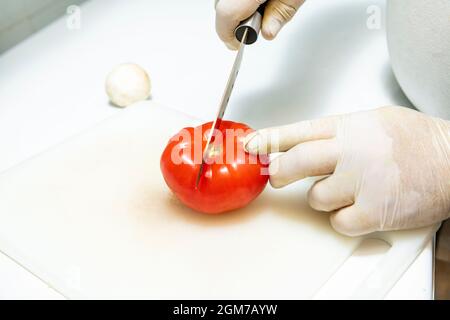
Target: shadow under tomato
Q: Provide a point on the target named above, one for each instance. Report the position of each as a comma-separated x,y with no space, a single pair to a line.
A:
288,203
177,208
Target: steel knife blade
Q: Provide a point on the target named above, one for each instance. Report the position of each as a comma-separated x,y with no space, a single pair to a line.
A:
246,33
223,104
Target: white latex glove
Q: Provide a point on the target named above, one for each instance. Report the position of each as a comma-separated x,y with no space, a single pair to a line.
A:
390,167
229,13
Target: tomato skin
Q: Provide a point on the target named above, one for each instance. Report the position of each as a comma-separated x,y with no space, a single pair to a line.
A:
224,185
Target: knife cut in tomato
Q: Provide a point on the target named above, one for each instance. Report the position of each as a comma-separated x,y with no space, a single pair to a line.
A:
231,178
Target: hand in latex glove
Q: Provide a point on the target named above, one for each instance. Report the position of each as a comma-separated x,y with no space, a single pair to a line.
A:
390,167
229,13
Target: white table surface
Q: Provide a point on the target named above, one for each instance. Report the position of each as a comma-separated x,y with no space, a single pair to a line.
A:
326,61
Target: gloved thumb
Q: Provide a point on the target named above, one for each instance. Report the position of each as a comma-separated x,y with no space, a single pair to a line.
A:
277,14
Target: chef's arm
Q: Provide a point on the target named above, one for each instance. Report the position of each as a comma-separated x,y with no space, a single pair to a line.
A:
229,13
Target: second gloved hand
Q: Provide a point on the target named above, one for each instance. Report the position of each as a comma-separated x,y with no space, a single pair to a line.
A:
388,169
229,13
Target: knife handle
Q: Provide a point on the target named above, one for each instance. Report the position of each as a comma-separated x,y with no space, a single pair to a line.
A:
252,25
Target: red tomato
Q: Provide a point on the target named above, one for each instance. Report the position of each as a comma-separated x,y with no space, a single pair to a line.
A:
230,179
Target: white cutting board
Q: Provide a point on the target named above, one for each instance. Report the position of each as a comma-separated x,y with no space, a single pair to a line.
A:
93,218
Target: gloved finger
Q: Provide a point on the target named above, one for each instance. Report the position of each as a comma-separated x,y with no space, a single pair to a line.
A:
352,221
229,13
279,139
277,14
332,193
309,159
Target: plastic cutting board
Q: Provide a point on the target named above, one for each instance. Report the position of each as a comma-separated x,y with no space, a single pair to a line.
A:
93,218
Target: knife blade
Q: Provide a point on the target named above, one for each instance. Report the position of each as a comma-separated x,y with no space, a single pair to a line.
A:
223,105
246,33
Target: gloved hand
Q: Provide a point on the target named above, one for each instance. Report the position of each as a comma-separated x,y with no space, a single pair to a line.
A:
229,13
388,168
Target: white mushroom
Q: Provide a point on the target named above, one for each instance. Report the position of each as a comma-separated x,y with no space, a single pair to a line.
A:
127,83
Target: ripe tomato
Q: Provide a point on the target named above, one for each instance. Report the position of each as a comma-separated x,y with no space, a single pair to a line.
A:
231,178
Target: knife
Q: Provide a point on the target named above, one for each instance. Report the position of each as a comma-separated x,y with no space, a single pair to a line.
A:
246,33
